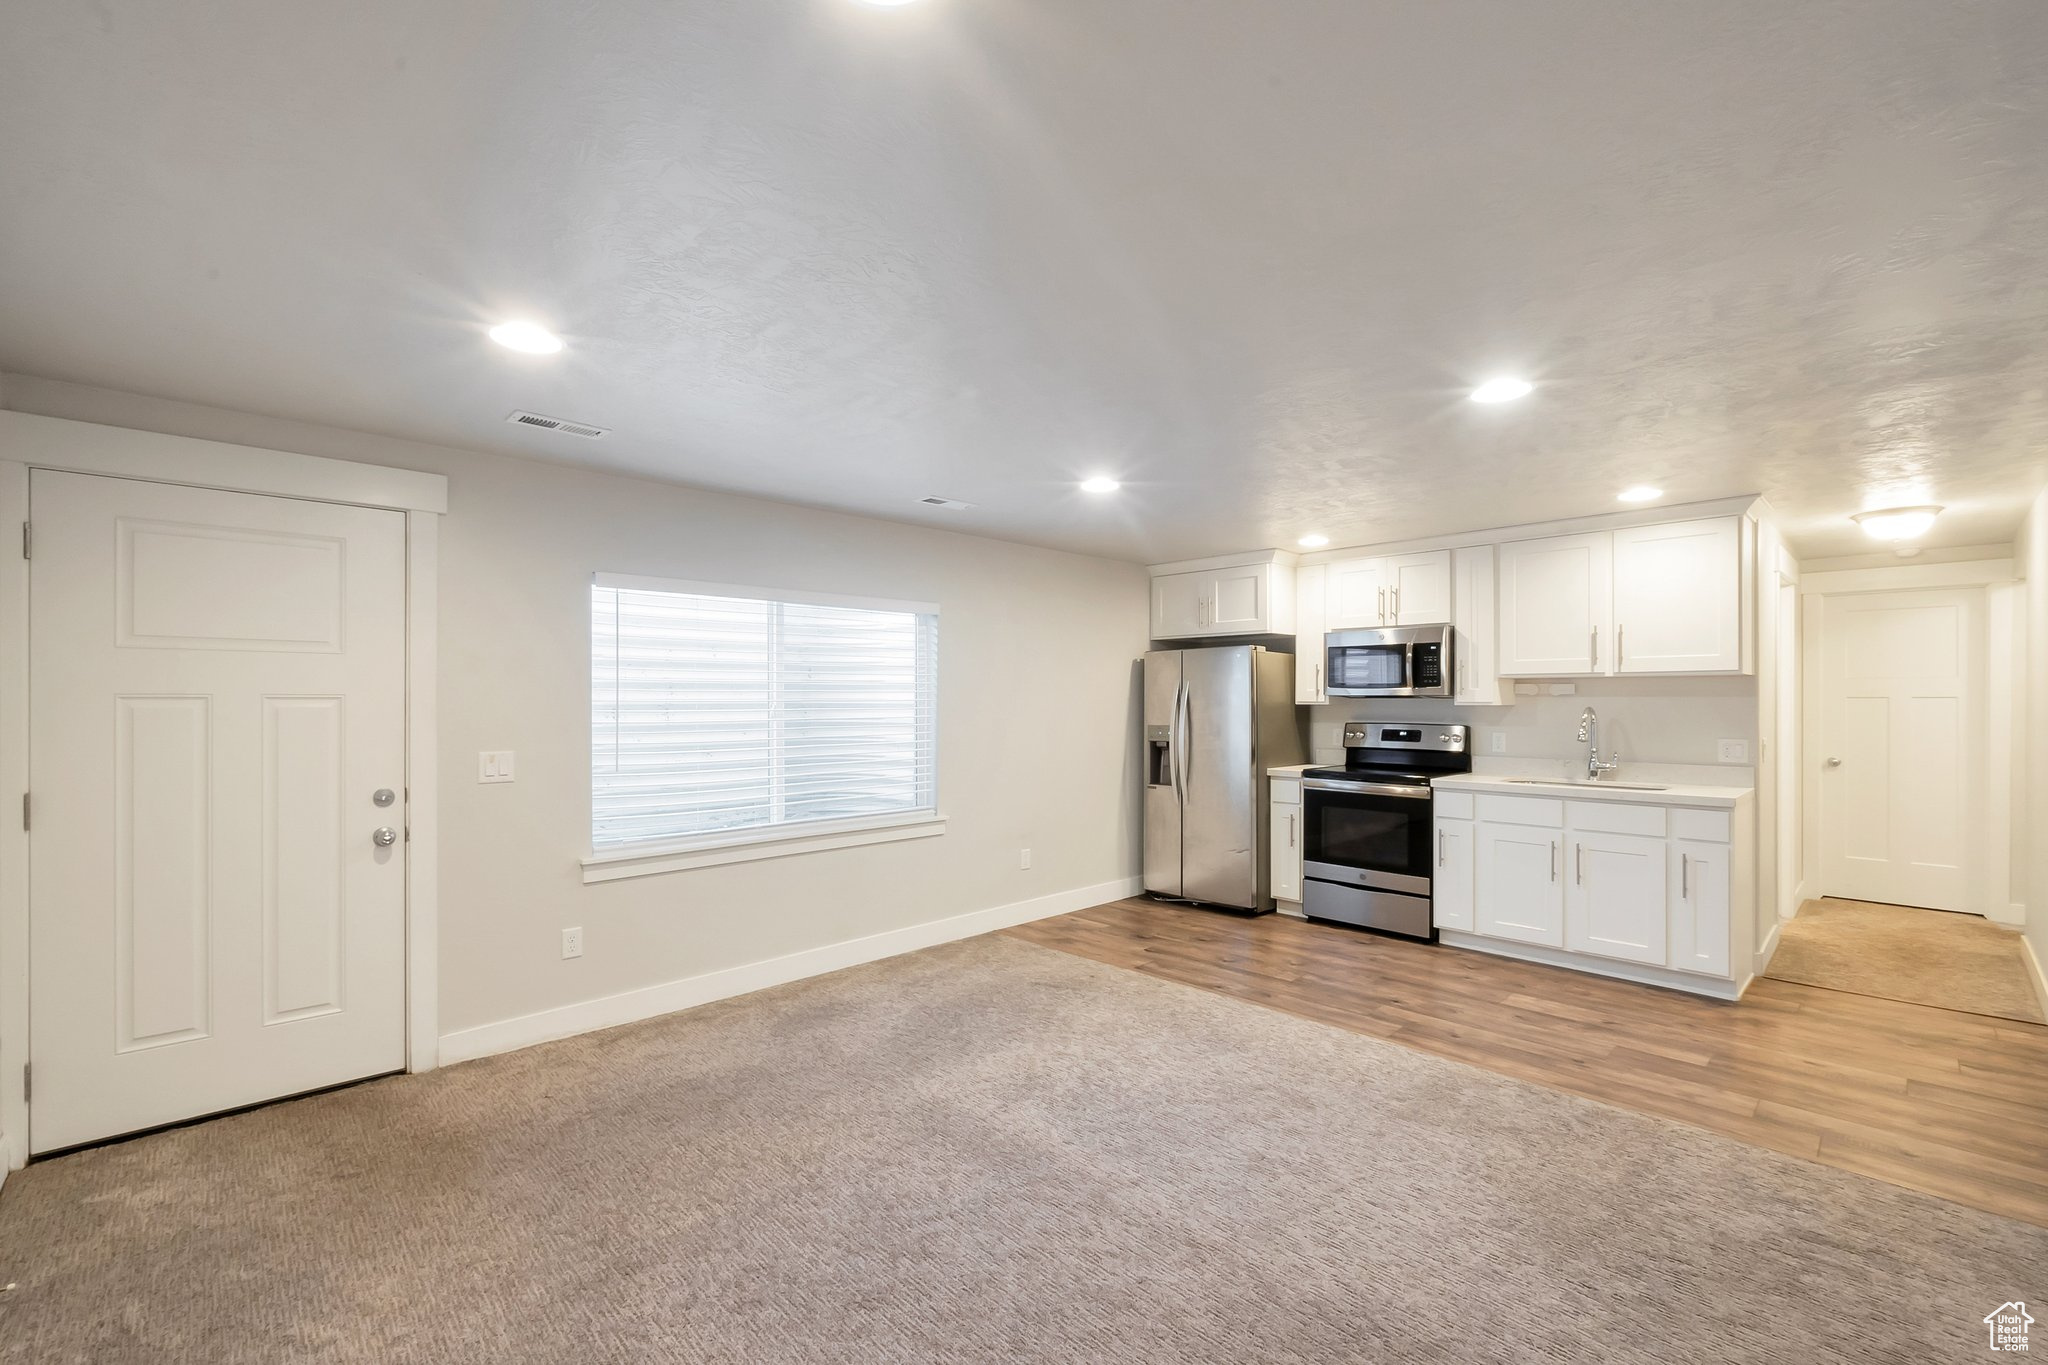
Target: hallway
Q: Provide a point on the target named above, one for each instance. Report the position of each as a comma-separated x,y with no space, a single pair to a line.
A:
1898,952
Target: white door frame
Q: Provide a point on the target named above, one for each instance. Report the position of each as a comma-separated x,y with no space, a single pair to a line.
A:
30,442
1992,896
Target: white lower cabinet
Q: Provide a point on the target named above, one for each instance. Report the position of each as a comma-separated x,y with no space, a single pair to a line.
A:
1614,904
1624,882
1698,888
1285,840
1516,888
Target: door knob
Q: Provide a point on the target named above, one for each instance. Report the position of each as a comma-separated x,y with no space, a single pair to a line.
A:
385,836
383,796
1834,763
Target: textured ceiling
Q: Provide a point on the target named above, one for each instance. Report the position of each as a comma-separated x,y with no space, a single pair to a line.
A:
1247,256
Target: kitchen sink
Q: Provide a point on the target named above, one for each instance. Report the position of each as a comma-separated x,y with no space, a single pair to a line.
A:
1580,782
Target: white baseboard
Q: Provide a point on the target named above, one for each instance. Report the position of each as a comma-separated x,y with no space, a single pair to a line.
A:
2035,975
609,1011
1769,950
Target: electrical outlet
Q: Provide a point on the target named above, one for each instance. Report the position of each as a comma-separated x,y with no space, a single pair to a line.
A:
1734,751
572,942
494,765
1023,860
1500,741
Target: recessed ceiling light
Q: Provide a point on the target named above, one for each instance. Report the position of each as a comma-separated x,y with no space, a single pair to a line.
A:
1897,523
887,4
1101,483
1313,542
1502,390
530,337
1642,492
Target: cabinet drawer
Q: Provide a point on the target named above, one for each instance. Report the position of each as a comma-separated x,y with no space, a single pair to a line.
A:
1542,811
1614,817
1710,826
1286,791
1453,805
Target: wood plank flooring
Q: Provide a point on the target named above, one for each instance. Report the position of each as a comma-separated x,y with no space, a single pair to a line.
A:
1952,1104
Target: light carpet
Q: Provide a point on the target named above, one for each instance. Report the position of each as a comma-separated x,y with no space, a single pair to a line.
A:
1925,957
984,1152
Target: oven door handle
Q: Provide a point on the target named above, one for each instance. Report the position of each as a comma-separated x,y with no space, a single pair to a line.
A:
1367,788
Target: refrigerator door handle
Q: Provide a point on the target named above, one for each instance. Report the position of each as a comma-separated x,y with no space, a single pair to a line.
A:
1181,729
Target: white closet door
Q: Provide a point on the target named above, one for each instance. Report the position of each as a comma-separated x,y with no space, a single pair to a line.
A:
217,690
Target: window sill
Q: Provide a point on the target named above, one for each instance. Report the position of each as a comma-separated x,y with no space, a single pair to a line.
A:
615,864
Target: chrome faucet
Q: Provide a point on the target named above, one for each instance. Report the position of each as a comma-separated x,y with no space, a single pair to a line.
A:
1589,734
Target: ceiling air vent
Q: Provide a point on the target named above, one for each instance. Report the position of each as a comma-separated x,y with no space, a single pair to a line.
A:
534,419
950,504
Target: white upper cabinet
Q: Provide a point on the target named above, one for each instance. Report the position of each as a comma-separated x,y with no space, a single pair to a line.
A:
1236,595
1419,589
1677,597
1645,599
1474,651
1556,601
1393,590
1357,594
1310,608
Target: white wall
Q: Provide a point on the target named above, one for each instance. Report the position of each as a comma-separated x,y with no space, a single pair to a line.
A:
2031,877
1037,696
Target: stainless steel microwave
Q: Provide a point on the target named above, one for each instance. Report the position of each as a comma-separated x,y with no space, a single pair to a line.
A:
1397,661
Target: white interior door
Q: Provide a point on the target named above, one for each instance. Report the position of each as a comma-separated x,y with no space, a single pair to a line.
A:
216,692
1901,745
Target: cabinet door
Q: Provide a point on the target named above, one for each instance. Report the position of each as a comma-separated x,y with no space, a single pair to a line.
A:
1358,594
1474,662
1310,586
1699,907
1286,836
1450,889
1238,600
1516,889
1678,597
1419,589
1179,605
1556,601
1615,902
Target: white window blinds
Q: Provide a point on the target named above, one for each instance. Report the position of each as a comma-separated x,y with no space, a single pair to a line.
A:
714,714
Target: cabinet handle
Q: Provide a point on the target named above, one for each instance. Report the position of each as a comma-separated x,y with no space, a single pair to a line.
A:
1553,860
1383,606
1684,877
1290,831
1319,680
1617,647
1439,848
1393,606
1596,647
1579,864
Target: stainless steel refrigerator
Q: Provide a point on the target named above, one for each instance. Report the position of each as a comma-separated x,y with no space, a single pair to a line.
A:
1215,720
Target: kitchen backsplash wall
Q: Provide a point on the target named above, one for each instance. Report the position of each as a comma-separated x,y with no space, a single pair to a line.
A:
1651,720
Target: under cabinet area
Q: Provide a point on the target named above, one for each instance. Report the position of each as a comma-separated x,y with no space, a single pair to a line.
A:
1630,888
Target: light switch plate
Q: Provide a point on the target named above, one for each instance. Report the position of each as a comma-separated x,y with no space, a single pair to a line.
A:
494,765
1500,741
1023,860
1734,750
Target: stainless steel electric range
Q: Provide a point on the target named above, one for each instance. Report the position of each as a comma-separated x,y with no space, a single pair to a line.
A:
1369,825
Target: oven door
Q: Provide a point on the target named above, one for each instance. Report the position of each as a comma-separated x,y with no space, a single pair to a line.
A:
1367,835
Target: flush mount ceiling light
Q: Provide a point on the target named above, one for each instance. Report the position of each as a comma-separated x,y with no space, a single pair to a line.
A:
1897,523
1502,390
1101,483
1642,492
529,337
1313,542
887,4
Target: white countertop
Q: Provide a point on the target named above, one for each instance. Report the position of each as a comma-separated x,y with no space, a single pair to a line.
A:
1670,793
1292,770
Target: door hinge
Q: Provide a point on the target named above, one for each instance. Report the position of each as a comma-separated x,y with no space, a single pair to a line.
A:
27,1077
28,540
24,810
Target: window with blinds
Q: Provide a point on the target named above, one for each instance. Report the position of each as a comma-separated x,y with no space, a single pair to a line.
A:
713,713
